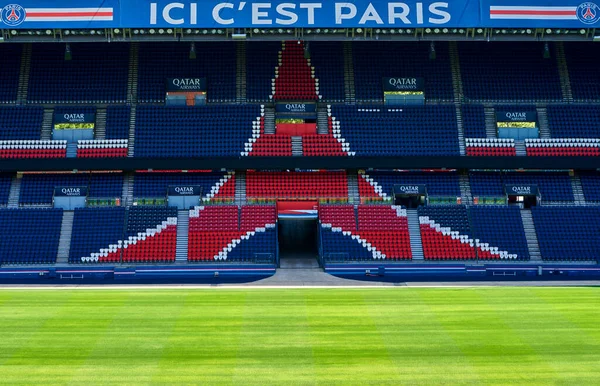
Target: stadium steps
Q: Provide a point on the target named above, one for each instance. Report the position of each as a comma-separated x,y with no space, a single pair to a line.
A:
457,83
240,83
577,190
531,236
353,193
297,146
322,121
491,129
269,120
240,188
127,195
24,73
542,114
132,85
563,71
349,87
100,129
15,191
183,221
47,124
465,188
131,138
72,150
414,230
64,243
461,130
520,149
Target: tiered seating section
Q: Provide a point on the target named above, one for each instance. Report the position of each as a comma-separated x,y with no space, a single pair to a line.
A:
201,131
218,233
552,186
366,233
33,149
505,71
117,122
151,234
474,121
328,60
408,131
21,122
97,235
155,185
590,183
490,147
501,227
300,185
294,76
102,148
574,121
568,233
214,61
96,73
29,236
381,184
563,147
5,182
261,60
581,57
375,60
10,62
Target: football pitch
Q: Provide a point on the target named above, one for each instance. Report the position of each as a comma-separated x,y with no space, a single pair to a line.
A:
394,336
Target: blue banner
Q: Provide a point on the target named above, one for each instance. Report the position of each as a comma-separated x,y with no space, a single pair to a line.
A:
42,14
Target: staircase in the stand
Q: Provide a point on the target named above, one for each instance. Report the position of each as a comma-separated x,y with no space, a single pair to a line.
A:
531,236
563,71
322,120
132,85
353,193
520,149
269,120
457,83
240,84
349,88
240,188
577,190
491,128
131,138
183,220
15,191
64,243
72,150
47,124
461,131
416,244
465,189
100,128
24,73
127,194
297,146
542,115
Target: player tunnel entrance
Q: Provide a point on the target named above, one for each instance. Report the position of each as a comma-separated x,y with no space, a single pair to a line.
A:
298,229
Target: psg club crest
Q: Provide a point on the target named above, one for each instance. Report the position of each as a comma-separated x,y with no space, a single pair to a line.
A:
588,13
13,15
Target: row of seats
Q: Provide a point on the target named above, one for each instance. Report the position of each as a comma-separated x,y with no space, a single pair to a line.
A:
584,147
490,147
553,186
33,149
102,148
296,185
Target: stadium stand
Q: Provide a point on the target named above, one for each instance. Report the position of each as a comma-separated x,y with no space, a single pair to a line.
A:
33,149
473,121
151,234
29,236
21,122
381,183
38,189
301,185
409,131
5,182
216,62
490,147
207,131
294,76
553,186
261,60
574,121
117,122
10,62
375,60
328,60
94,74
102,148
154,185
523,76
580,57
97,235
563,147
501,227
590,184
568,233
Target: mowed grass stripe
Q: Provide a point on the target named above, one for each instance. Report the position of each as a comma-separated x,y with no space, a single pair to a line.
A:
306,336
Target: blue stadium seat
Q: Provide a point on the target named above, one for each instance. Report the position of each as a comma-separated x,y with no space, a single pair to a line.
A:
568,233
38,189
5,182
452,216
508,71
10,63
29,236
337,247
261,246
201,131
95,229
117,122
261,60
473,117
375,60
501,227
574,121
328,60
590,182
97,73
581,59
215,61
410,131
21,122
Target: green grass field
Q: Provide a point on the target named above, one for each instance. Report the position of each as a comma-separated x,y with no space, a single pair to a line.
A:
390,336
